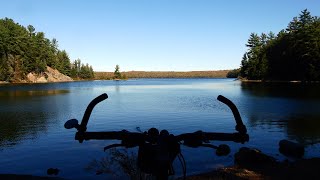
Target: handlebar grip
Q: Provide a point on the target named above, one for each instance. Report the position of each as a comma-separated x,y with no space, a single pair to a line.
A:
86,116
240,127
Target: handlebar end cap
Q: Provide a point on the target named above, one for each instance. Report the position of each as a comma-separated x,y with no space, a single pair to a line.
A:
72,123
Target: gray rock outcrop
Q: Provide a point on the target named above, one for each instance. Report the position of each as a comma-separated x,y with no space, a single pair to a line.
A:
51,75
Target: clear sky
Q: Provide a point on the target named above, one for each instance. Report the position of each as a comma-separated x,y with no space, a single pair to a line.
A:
155,35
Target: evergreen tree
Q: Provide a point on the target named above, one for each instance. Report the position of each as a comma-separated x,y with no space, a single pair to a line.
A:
23,50
117,74
293,54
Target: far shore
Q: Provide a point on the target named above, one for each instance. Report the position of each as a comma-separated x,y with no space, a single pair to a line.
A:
164,74
111,79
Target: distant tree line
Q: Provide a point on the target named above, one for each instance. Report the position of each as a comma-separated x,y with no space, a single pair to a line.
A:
81,71
292,54
164,74
23,50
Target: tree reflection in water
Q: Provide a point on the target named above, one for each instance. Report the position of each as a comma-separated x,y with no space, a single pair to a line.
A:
293,107
24,114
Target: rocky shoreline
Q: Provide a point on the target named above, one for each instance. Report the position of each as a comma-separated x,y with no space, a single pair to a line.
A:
253,164
49,76
248,164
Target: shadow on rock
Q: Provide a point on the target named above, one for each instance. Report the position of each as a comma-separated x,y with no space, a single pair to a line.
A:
255,160
253,164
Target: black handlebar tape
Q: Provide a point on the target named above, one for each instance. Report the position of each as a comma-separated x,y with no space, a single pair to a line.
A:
240,127
86,116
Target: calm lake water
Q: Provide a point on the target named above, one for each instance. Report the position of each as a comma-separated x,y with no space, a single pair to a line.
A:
33,139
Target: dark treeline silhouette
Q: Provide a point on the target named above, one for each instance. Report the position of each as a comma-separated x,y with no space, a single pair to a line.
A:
292,54
23,50
233,73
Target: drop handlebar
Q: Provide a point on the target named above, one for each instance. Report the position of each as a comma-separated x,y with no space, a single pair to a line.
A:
135,138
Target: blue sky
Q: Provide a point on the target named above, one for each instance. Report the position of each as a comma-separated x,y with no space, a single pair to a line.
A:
150,35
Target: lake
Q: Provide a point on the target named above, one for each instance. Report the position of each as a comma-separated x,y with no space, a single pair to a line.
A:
33,138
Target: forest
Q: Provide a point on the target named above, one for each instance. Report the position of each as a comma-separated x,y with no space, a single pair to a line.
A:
291,55
23,50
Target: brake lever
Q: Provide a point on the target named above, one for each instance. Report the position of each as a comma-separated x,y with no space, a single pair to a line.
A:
112,146
221,150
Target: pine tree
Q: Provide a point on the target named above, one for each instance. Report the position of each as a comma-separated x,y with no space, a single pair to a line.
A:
117,74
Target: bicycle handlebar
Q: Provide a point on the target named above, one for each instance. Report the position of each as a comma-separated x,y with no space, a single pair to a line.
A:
132,139
240,127
86,116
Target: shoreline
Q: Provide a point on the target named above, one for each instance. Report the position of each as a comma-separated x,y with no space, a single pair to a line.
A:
128,75
249,163
276,81
97,79
21,82
4,82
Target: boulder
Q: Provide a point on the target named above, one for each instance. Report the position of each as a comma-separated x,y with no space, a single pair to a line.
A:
292,149
31,77
51,75
41,79
253,159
